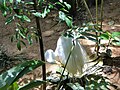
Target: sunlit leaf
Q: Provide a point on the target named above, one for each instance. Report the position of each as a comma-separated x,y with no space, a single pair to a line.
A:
116,42
45,12
37,14
11,1
23,17
12,75
9,20
18,1
26,18
29,3
115,34
22,34
68,5
62,15
68,22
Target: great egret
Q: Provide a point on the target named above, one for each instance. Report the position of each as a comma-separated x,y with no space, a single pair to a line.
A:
77,58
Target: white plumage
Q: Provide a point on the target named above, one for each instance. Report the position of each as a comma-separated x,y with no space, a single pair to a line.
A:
77,58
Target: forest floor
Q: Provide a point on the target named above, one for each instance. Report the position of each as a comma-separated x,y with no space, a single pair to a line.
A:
50,35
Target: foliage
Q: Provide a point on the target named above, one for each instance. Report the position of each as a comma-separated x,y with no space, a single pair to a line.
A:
8,79
114,37
87,82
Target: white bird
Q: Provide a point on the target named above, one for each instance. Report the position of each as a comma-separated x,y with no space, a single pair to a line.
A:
77,58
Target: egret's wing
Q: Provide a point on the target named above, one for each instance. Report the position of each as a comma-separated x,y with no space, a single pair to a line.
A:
64,45
63,48
80,56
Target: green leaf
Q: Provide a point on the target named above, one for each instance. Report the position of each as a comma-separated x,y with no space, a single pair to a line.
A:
96,82
22,34
116,42
29,3
63,17
18,16
115,34
23,18
14,86
67,5
45,12
91,38
40,2
11,1
12,75
26,18
75,86
104,36
31,85
68,22
18,45
18,1
9,20
37,14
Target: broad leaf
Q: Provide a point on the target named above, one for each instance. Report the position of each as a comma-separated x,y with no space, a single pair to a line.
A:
12,75
104,36
115,34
